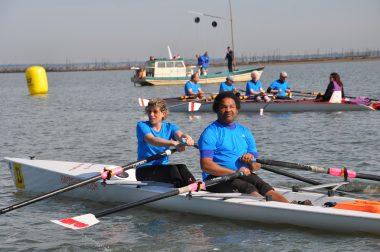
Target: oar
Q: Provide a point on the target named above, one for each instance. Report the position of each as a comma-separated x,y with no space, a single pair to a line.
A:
307,93
340,172
282,172
289,174
87,220
106,174
353,97
192,106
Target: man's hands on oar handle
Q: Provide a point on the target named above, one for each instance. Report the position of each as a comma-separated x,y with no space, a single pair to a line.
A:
253,166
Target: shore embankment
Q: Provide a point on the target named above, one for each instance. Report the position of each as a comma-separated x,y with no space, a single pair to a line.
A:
75,67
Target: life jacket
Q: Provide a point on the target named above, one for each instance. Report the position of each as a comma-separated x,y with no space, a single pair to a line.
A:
336,96
360,205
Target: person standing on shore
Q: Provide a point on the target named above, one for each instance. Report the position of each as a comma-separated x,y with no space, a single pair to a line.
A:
230,59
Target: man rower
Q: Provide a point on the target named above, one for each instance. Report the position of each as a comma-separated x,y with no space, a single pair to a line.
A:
280,88
226,147
228,85
193,88
254,88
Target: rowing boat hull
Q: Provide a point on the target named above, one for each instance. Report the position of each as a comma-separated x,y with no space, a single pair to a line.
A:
178,105
29,174
239,76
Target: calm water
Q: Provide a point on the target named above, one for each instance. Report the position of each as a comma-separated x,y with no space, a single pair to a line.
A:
91,117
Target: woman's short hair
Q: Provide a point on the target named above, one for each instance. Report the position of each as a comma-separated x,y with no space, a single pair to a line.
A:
157,102
221,96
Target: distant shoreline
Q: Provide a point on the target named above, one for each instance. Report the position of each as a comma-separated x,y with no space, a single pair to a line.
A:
127,66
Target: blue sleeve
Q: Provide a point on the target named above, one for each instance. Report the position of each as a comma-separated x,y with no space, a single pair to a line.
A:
221,87
173,129
198,87
247,89
187,87
251,143
273,85
207,143
142,129
260,85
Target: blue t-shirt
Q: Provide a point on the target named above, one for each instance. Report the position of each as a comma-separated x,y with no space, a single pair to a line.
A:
205,61
254,86
278,84
224,87
145,149
226,144
193,86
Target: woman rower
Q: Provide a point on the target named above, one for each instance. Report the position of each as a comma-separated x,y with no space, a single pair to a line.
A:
156,136
334,90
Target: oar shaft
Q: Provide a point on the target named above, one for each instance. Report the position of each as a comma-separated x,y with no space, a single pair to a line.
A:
85,182
290,175
48,195
368,176
185,189
303,92
312,168
340,172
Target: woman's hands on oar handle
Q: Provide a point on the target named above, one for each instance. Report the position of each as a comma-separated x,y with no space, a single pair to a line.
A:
185,141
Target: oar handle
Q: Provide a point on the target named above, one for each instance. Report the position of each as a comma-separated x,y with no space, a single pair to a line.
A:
109,173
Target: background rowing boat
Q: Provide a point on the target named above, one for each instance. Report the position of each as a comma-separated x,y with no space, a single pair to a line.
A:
91,117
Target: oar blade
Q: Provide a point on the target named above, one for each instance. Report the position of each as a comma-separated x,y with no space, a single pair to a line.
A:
143,102
78,222
194,106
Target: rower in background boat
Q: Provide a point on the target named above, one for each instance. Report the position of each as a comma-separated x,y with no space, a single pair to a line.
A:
193,88
254,88
226,147
280,88
228,85
334,92
156,136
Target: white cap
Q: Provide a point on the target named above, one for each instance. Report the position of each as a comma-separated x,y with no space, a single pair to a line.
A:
230,78
284,74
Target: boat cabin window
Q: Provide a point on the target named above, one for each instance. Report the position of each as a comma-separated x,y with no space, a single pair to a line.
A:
170,64
161,64
179,64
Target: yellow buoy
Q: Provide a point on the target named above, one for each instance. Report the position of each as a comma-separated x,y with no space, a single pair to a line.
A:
37,80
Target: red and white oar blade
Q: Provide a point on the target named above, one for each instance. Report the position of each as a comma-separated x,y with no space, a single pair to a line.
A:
194,106
143,102
78,222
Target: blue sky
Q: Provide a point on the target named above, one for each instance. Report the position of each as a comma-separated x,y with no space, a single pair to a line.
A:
56,31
